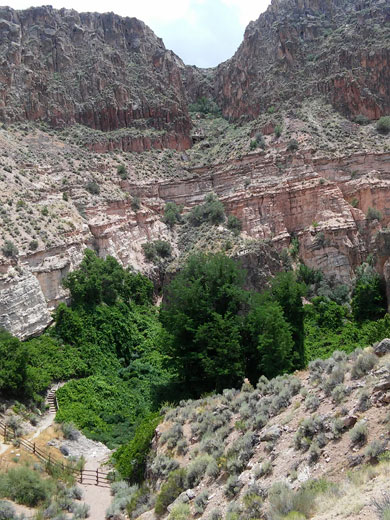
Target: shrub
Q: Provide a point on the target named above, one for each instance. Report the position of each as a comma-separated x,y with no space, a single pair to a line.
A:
9,249
278,130
364,402
121,171
180,512
233,486
205,105
200,502
360,119
65,196
162,465
93,188
339,393
33,245
81,511
314,453
264,469
383,125
7,511
374,449
215,515
312,402
337,427
196,469
135,203
284,500
163,248
359,433
171,214
363,364
292,145
211,211
131,457
182,447
382,506
373,214
234,224
69,431
170,490
26,486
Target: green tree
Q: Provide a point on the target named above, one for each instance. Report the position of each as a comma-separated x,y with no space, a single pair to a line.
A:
201,314
13,366
369,295
268,340
104,281
288,293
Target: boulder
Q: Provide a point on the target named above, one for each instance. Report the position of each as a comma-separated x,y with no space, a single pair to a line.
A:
271,434
382,348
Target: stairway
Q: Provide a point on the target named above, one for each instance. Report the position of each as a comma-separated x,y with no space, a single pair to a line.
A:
51,399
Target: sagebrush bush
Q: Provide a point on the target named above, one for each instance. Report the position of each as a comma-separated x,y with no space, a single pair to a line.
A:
339,393
170,490
180,512
374,449
200,502
26,486
382,506
69,431
364,402
172,436
196,469
312,402
233,486
7,511
363,364
359,433
284,500
383,125
162,466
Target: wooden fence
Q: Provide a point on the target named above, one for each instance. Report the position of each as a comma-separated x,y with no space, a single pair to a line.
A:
83,476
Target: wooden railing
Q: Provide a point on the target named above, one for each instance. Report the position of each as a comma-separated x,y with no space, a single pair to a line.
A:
83,476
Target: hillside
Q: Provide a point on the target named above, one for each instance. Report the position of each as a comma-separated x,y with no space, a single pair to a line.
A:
308,443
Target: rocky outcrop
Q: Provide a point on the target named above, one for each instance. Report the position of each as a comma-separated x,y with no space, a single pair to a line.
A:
307,48
99,70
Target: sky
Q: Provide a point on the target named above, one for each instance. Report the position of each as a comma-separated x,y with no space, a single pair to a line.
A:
202,32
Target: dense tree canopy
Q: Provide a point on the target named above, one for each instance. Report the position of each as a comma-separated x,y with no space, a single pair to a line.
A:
369,295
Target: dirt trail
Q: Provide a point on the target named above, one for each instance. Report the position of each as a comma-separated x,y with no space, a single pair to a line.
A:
98,498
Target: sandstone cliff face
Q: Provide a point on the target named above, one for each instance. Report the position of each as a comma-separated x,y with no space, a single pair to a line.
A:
108,85
299,48
99,70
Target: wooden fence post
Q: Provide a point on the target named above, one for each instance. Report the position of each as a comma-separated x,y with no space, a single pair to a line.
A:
81,475
97,476
34,448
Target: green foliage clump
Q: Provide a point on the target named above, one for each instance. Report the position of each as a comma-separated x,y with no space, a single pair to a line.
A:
170,490
135,203
25,486
362,120
373,214
278,131
157,249
234,224
211,211
369,295
93,188
383,125
100,281
205,105
293,145
122,172
130,459
171,214
9,249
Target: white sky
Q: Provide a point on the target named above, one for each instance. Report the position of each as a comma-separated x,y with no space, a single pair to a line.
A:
201,32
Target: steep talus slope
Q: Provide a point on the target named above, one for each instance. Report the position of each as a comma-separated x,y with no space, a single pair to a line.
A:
99,70
299,48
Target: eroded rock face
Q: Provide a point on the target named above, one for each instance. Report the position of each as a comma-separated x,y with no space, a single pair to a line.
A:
99,70
309,48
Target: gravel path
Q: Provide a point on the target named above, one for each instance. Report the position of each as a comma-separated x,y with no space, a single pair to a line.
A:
98,498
